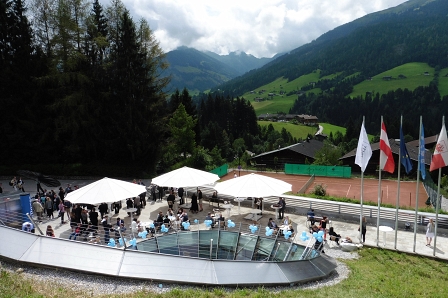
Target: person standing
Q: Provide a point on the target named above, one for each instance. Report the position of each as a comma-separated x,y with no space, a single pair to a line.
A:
154,192
429,232
20,184
180,193
37,207
323,226
200,199
281,210
49,207
39,187
161,192
194,203
61,211
363,229
171,198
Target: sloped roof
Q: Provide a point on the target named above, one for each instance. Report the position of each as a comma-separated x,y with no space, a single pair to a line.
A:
428,141
395,147
306,148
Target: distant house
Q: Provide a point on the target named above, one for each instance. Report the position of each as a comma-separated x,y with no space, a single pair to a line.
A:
258,99
426,73
308,119
387,78
401,76
299,153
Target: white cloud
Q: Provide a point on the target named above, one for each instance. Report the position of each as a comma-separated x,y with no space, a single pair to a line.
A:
259,27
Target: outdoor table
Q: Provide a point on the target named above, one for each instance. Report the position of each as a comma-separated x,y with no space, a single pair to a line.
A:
239,200
385,229
276,210
228,207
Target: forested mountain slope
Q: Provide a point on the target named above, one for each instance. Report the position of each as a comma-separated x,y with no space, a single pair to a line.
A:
416,31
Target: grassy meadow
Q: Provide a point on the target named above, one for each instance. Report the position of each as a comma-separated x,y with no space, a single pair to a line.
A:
280,103
377,273
414,73
302,131
297,131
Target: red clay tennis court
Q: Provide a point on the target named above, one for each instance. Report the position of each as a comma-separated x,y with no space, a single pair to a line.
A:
351,188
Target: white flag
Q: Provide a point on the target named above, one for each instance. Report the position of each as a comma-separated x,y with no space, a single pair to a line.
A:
364,151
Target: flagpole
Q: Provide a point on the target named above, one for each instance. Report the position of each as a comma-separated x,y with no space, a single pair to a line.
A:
397,204
379,197
362,194
437,202
418,186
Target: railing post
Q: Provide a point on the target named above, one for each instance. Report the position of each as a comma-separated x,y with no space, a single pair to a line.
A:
122,239
211,248
34,224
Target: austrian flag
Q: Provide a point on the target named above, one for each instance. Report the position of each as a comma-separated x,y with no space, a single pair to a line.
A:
440,157
386,158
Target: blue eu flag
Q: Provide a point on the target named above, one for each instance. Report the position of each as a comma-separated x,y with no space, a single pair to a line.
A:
405,160
421,154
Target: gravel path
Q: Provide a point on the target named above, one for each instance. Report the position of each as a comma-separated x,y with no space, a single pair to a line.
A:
94,285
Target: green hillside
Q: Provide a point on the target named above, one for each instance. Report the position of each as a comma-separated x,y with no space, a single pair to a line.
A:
302,131
285,93
297,130
409,75
330,128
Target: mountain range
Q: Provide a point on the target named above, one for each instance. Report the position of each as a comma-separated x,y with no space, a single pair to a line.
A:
415,31
200,71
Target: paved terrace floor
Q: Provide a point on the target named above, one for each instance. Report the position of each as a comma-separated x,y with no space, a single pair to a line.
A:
405,239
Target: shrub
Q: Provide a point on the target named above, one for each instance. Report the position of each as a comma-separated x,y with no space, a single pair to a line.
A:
320,190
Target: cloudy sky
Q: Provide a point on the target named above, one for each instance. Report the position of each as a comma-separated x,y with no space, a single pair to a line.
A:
262,28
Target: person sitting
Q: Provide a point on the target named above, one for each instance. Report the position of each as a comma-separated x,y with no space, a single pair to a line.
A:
347,240
170,212
28,227
209,217
319,245
310,215
286,221
76,232
290,229
184,217
50,231
176,223
313,229
180,211
272,225
167,221
96,240
334,236
134,227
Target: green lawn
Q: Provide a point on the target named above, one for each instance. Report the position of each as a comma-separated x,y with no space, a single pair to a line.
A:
330,128
377,273
296,130
414,73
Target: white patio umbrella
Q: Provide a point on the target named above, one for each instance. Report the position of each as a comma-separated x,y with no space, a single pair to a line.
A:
106,190
185,177
253,185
